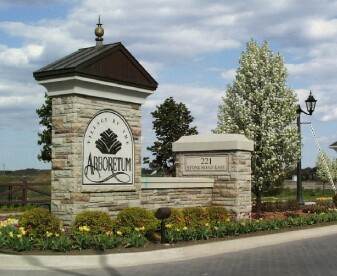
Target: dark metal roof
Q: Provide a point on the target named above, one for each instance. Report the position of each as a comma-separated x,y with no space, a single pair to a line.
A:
333,145
111,62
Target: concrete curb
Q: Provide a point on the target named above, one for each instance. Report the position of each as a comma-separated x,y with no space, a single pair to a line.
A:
14,262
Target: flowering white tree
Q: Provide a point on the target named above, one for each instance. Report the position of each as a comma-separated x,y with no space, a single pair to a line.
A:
260,106
324,172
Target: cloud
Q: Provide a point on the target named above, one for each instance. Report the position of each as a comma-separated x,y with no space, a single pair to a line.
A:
202,102
18,108
174,41
18,57
229,74
322,29
29,3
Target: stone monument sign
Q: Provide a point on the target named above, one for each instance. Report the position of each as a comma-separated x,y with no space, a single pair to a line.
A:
108,151
97,93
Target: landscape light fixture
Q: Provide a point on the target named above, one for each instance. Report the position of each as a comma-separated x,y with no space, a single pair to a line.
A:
311,105
163,213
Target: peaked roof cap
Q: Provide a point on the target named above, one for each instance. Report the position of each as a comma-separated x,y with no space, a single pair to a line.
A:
111,62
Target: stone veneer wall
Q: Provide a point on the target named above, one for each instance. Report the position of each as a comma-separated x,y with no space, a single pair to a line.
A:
232,189
230,167
71,115
176,192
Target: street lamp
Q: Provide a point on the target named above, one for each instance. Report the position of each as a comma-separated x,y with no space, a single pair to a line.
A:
310,104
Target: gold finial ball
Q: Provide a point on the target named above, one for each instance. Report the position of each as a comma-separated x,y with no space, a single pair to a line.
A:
99,31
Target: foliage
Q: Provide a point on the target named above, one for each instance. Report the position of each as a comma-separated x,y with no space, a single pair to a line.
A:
260,106
176,219
13,236
322,205
326,168
334,199
171,121
326,202
45,115
107,241
174,234
38,221
130,219
314,209
245,226
84,240
136,239
195,216
20,243
276,189
16,209
278,206
92,223
16,237
61,244
308,194
217,215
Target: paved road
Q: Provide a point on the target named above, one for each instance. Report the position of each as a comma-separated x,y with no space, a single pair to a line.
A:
309,257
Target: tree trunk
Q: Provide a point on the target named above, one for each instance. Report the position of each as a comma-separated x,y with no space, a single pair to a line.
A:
258,202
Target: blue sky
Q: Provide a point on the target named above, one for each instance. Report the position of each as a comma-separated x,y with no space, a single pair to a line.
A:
191,47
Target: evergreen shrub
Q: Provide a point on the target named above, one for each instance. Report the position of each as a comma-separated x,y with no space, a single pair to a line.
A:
98,222
132,219
195,216
38,221
176,219
217,214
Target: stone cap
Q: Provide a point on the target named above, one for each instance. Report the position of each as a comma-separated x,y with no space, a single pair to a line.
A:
176,182
213,142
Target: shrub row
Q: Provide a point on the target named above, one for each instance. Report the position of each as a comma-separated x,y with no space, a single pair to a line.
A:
235,228
134,227
278,206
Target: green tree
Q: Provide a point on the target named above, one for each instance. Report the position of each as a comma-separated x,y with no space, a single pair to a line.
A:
44,137
326,168
171,121
260,106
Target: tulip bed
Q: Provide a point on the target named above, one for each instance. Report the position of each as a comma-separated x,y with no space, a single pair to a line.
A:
39,230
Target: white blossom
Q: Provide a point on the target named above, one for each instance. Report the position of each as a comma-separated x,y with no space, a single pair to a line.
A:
262,107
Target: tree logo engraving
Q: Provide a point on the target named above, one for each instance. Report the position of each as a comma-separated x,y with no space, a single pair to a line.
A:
108,143
108,151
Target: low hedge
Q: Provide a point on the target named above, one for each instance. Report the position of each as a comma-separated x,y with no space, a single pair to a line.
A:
133,227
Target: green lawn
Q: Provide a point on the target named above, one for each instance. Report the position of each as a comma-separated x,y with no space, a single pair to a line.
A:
307,194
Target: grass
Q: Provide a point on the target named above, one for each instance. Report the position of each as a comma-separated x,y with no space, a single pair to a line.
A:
4,209
308,195
31,176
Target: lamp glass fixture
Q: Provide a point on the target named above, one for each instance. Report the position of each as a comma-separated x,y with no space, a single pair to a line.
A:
311,103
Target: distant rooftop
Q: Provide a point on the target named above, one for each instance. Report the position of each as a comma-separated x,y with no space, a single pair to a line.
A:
333,146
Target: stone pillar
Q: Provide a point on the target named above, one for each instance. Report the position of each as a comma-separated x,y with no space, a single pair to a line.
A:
224,157
97,93
71,116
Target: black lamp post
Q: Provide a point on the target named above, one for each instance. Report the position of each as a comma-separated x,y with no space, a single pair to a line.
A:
310,104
